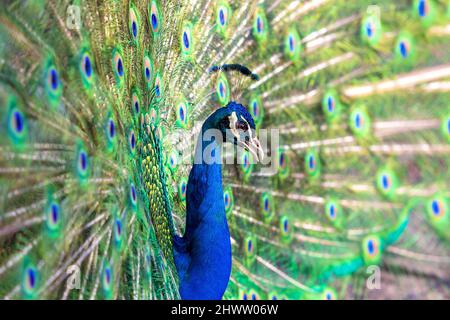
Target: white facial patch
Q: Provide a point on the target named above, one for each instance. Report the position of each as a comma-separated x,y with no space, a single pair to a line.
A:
233,120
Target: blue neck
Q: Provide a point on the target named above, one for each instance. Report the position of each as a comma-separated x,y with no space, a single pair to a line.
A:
207,237
205,183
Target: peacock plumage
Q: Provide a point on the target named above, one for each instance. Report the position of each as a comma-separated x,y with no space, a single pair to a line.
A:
102,103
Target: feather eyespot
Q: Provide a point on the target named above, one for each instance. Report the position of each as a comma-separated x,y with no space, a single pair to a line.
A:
332,211
111,129
52,217
360,123
55,213
182,113
404,49
371,29
155,17
228,200
250,248
221,17
283,163
187,41
285,229
118,233
311,162
246,162
87,66
436,207
53,78
83,161
267,206
438,212
330,104
134,24
17,126
53,85
222,89
30,277
255,109
148,71
286,225
246,165
292,45
182,189
281,160
223,13
249,245
260,26
118,66
387,182
133,196
132,141
173,161
329,294
371,247
18,121
110,132
107,279
423,8
136,102
158,87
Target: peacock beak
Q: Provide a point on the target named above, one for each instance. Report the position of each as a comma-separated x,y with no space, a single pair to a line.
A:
254,147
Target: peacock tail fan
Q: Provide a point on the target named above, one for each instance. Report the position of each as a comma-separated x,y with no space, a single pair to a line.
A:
101,104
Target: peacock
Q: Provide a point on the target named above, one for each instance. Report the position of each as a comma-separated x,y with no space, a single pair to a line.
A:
331,182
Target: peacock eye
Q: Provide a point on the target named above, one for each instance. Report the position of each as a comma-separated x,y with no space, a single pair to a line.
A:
242,126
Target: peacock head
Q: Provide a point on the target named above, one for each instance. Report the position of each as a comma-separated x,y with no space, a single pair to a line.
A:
236,126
